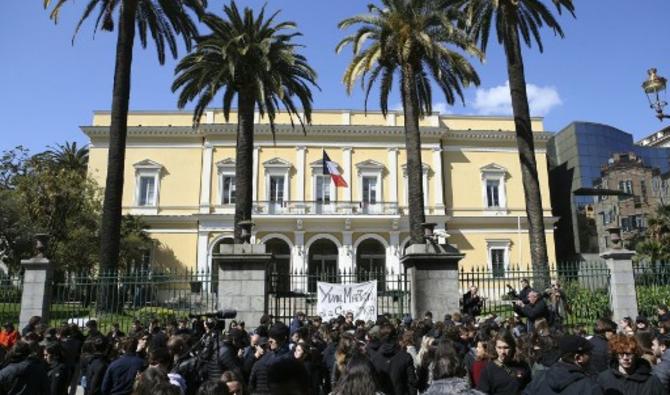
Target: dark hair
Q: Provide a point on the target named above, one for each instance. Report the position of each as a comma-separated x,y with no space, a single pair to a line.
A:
128,344
34,320
507,337
213,387
446,362
604,325
177,345
357,378
160,356
165,389
55,349
150,379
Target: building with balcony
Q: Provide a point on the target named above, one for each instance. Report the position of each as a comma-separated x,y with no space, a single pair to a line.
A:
182,182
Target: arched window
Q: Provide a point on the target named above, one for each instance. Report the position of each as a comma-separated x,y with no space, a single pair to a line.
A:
322,263
280,268
371,262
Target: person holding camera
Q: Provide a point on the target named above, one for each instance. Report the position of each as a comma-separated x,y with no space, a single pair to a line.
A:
535,309
472,302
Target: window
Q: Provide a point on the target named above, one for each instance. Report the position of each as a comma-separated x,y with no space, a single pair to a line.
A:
498,262
626,224
493,188
147,187
147,193
369,189
626,186
322,184
228,186
276,189
498,256
492,193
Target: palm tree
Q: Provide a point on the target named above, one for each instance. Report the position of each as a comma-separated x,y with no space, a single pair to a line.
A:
254,59
164,20
69,156
411,38
514,20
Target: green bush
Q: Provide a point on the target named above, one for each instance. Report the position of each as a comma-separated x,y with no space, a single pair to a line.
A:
650,296
146,314
587,305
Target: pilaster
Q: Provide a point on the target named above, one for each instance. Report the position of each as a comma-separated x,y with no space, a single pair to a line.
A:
257,150
206,177
393,173
346,170
300,165
346,258
437,179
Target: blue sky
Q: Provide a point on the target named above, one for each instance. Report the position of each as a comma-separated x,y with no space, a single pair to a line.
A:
48,87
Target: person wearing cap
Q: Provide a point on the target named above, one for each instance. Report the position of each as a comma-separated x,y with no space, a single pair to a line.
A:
632,374
8,335
661,349
570,374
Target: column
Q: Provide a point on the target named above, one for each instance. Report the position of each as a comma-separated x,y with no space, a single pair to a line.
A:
623,296
257,150
206,177
437,179
300,165
346,172
346,253
37,284
393,173
202,263
298,262
392,253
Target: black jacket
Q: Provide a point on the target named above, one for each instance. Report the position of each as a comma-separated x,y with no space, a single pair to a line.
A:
403,376
600,355
533,312
563,378
472,305
93,370
381,361
59,378
258,380
641,382
187,367
26,377
121,374
510,379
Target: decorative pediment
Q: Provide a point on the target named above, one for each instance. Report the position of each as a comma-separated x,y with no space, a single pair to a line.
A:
317,163
370,165
425,168
493,168
148,164
277,163
226,164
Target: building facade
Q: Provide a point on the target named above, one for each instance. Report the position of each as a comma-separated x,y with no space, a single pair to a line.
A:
182,182
576,157
628,174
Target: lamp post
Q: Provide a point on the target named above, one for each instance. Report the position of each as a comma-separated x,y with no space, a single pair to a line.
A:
654,88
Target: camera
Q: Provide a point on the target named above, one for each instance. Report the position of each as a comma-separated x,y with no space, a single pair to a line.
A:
217,318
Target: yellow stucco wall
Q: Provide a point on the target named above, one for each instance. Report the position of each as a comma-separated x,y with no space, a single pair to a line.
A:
175,250
463,179
474,245
486,123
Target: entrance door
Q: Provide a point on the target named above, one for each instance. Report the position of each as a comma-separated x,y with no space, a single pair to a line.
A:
322,264
279,270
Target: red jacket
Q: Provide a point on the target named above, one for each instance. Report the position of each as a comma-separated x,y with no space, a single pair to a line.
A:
8,339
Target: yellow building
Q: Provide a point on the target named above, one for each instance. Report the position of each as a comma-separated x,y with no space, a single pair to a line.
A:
181,181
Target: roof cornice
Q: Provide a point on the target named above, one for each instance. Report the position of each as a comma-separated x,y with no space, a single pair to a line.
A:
213,130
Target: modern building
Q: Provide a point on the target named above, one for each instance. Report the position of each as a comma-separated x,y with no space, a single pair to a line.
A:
576,156
181,181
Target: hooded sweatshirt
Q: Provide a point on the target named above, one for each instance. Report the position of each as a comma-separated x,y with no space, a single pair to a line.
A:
382,363
563,378
641,382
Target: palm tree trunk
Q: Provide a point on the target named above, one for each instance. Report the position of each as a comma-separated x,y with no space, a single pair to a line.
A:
116,156
413,147
526,147
244,162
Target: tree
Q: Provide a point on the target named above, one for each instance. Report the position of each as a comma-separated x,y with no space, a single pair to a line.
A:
411,38
514,20
164,20
256,60
655,244
69,156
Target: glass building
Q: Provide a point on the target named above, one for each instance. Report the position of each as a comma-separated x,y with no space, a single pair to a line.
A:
576,155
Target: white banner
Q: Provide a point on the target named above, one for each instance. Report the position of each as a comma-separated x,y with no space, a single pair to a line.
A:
338,299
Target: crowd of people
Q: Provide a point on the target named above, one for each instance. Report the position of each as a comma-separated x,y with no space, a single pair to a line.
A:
463,353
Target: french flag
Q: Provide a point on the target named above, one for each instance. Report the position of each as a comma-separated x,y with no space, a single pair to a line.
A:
330,168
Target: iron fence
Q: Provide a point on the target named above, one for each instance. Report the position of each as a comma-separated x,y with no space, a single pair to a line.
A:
123,298
290,292
11,288
585,286
652,286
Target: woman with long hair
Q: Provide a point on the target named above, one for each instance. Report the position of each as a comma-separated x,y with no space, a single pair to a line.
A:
358,377
448,373
503,375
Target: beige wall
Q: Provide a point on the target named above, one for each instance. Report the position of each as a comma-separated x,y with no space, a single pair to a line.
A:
175,250
474,246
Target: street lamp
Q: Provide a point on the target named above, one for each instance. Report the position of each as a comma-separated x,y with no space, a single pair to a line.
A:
654,88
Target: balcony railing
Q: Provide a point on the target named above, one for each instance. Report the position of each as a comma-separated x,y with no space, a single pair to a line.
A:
321,208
